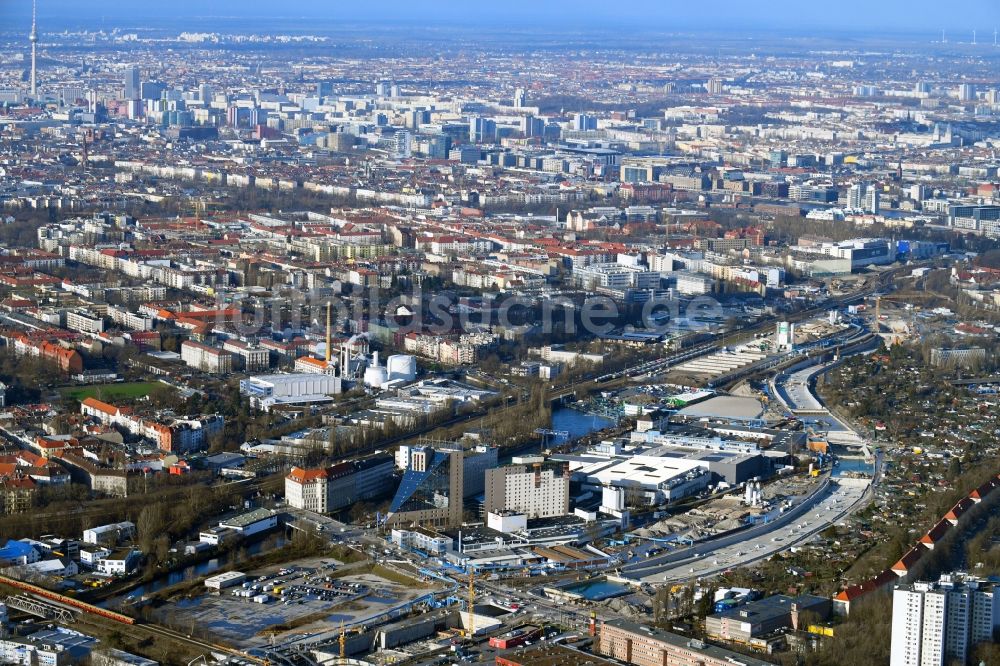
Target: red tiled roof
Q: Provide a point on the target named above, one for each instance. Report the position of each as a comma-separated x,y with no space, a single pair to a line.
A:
911,557
300,475
94,403
958,510
984,490
935,534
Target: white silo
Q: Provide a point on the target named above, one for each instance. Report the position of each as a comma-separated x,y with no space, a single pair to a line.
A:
402,366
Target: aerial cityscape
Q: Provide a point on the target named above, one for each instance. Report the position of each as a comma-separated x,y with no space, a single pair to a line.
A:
553,333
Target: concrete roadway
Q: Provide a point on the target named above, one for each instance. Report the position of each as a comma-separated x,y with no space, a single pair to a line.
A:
840,498
835,503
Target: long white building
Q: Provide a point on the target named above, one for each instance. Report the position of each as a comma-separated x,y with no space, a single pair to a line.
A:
266,391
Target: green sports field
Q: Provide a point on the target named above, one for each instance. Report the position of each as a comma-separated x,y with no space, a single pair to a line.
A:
112,392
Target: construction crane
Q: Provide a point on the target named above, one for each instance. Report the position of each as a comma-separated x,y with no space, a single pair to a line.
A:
472,603
342,641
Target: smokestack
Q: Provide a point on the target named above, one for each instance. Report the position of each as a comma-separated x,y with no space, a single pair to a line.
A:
328,306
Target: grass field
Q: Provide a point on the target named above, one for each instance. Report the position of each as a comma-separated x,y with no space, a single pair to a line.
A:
110,392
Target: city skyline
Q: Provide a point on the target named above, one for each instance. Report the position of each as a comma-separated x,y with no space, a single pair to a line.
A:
893,16
509,334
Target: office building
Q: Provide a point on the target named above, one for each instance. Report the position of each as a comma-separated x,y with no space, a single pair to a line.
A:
856,196
520,98
402,140
132,83
430,492
57,646
532,126
714,86
976,218
109,535
151,90
939,623
482,130
536,493
427,541
475,463
333,488
581,122
692,284
966,92
615,276
250,358
872,201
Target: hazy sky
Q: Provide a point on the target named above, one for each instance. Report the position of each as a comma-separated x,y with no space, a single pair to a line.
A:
958,16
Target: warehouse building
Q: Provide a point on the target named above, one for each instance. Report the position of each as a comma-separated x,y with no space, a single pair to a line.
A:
641,645
764,616
267,391
252,522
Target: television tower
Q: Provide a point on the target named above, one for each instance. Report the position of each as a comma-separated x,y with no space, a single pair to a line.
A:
33,38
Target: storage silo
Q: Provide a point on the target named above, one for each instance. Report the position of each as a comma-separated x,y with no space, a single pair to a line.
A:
402,366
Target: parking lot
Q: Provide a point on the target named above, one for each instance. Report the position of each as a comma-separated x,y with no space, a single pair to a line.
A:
317,596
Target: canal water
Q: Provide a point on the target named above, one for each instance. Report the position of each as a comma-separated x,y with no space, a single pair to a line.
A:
578,423
193,571
567,419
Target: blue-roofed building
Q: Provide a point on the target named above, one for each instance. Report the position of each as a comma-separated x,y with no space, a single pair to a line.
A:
17,553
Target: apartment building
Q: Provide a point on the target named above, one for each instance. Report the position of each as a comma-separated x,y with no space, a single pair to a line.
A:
205,358
85,322
536,493
972,357
250,358
934,623
131,320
